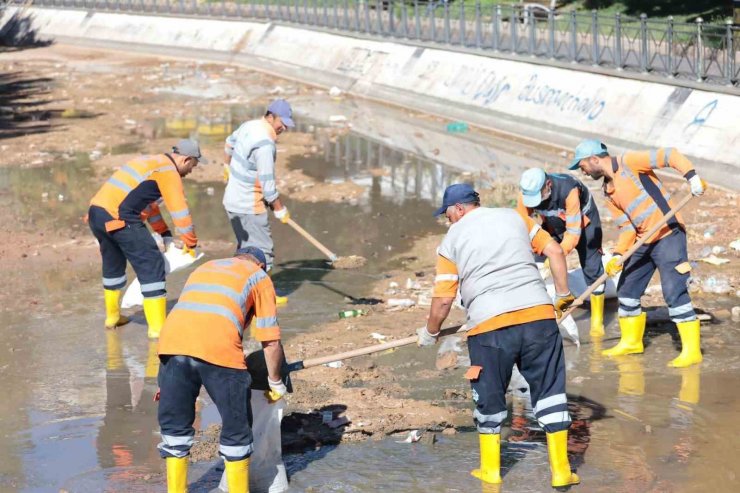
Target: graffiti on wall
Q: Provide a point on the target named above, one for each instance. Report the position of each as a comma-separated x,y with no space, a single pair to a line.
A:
549,96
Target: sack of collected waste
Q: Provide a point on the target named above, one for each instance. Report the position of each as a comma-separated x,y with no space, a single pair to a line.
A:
174,259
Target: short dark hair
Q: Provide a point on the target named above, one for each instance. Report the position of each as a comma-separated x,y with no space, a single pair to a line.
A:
268,113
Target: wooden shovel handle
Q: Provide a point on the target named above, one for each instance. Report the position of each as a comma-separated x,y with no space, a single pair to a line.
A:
313,240
626,255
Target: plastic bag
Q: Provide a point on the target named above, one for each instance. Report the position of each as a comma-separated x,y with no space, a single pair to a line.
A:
266,469
174,259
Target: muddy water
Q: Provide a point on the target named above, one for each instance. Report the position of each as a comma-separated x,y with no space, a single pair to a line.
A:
77,411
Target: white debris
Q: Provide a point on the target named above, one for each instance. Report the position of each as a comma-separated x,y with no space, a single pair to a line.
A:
714,260
735,245
337,119
404,302
335,364
413,437
378,337
335,92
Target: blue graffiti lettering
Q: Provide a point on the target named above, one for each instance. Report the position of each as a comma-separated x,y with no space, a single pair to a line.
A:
542,94
703,115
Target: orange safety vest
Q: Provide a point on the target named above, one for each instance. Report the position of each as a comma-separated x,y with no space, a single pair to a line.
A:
637,198
141,182
219,300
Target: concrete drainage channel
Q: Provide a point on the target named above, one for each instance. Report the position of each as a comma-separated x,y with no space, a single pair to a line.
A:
547,104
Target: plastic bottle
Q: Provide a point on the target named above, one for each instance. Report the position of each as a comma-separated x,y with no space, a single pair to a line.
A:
352,313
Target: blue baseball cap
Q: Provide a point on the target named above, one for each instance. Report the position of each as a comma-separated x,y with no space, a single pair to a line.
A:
531,184
281,108
254,252
459,193
587,148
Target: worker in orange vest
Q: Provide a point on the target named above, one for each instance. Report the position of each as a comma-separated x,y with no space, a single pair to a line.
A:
201,344
487,255
116,217
638,201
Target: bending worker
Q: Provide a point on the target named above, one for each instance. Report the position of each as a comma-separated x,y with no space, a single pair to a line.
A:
250,189
487,254
570,216
116,217
638,200
201,344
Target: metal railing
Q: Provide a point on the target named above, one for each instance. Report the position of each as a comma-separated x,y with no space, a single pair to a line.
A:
696,51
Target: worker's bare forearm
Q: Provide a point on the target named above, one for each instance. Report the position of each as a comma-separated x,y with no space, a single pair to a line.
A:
438,313
558,266
273,358
277,204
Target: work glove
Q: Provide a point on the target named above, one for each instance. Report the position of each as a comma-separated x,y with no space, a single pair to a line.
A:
425,338
283,215
562,302
697,185
190,250
276,392
613,267
225,171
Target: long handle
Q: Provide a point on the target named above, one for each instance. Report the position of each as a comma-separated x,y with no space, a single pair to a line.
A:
627,255
313,241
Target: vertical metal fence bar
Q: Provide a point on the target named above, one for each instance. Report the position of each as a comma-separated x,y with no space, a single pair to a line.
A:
378,14
447,23
643,43
573,37
432,10
595,38
495,19
669,41
532,33
391,17
404,20
513,24
699,69
729,54
478,28
367,16
462,23
417,21
335,13
345,16
325,13
550,34
618,42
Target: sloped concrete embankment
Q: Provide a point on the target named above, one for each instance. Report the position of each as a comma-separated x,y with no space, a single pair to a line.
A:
553,105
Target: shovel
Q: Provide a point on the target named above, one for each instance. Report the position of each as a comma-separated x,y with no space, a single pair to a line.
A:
350,262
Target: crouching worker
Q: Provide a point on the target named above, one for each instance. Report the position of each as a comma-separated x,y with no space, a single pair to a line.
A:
487,254
201,344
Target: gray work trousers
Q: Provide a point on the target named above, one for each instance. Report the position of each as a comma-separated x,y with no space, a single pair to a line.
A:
253,230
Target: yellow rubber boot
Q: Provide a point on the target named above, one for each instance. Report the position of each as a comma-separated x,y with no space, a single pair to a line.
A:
557,449
279,300
690,345
113,317
690,381
115,353
237,476
632,328
597,315
155,311
490,459
152,360
177,474
631,375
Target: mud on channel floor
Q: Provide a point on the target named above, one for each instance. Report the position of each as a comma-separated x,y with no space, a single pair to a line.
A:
78,412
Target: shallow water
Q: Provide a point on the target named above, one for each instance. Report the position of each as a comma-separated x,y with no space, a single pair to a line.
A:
78,414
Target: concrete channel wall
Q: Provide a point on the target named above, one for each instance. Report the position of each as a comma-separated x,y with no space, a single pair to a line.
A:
553,105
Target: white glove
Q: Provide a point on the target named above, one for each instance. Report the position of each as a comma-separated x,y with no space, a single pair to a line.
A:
283,215
697,186
425,338
276,392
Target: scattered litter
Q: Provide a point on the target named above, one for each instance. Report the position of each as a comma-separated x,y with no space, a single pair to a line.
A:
736,313
714,260
413,437
335,92
352,313
210,191
276,90
718,250
378,337
335,364
403,302
392,284
424,299
45,196
411,284
735,245
60,197
709,232
337,118
457,127
717,285
95,155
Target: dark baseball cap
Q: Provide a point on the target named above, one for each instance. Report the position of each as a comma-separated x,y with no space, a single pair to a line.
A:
254,252
190,148
281,108
459,193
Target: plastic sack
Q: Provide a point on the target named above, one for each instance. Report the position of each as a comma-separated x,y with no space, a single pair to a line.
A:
174,259
451,354
266,469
